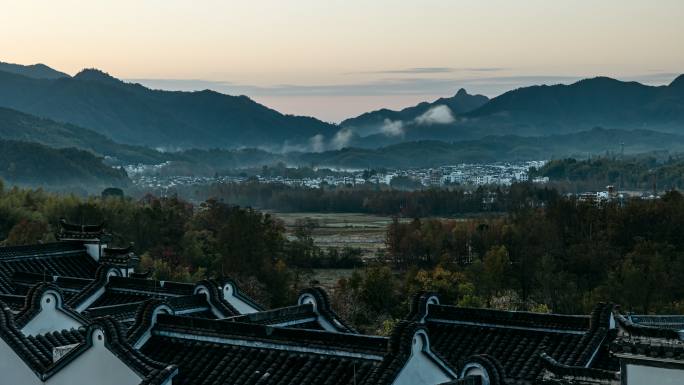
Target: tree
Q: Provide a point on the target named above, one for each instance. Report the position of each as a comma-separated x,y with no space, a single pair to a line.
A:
27,232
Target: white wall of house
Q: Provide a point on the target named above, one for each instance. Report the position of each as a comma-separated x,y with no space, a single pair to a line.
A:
50,318
421,368
96,366
95,250
14,370
650,375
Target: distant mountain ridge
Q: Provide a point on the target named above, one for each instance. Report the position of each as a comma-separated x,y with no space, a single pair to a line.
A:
37,165
590,102
533,111
370,122
133,114
500,148
36,71
18,126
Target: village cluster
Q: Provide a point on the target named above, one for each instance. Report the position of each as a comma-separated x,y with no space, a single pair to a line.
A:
503,174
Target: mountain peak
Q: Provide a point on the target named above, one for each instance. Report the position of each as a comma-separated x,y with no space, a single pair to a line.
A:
678,82
36,71
95,74
462,92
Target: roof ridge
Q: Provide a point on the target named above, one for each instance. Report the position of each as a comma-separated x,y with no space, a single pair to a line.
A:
283,336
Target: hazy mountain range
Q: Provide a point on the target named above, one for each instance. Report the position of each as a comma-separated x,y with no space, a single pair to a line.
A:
130,113
125,123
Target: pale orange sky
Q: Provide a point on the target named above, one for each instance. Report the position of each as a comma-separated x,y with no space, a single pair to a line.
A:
333,59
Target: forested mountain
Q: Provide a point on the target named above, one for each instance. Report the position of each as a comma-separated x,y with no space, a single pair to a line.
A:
375,121
18,126
130,113
36,71
588,103
498,148
36,164
529,111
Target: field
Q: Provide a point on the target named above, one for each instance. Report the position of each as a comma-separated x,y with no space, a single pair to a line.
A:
362,231
339,230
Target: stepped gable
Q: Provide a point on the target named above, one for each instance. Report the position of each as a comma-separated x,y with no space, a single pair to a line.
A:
65,259
33,305
517,339
213,352
408,339
37,351
321,302
213,290
84,298
419,305
146,314
231,287
475,368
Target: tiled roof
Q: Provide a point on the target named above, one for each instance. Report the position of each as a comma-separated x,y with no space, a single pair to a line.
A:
36,351
674,322
291,315
400,349
516,339
71,231
638,330
101,277
219,352
122,290
53,259
559,373
647,341
45,343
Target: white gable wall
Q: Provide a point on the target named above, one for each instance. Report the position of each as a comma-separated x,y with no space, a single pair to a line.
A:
50,318
421,368
241,306
96,366
14,370
650,375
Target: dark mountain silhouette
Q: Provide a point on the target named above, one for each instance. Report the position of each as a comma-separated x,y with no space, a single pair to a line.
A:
593,102
35,164
36,71
18,126
372,122
133,114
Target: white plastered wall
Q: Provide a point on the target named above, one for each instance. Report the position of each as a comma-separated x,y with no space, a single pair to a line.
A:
650,375
50,318
420,367
96,366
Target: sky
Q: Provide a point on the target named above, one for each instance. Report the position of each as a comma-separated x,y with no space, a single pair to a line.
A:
336,59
